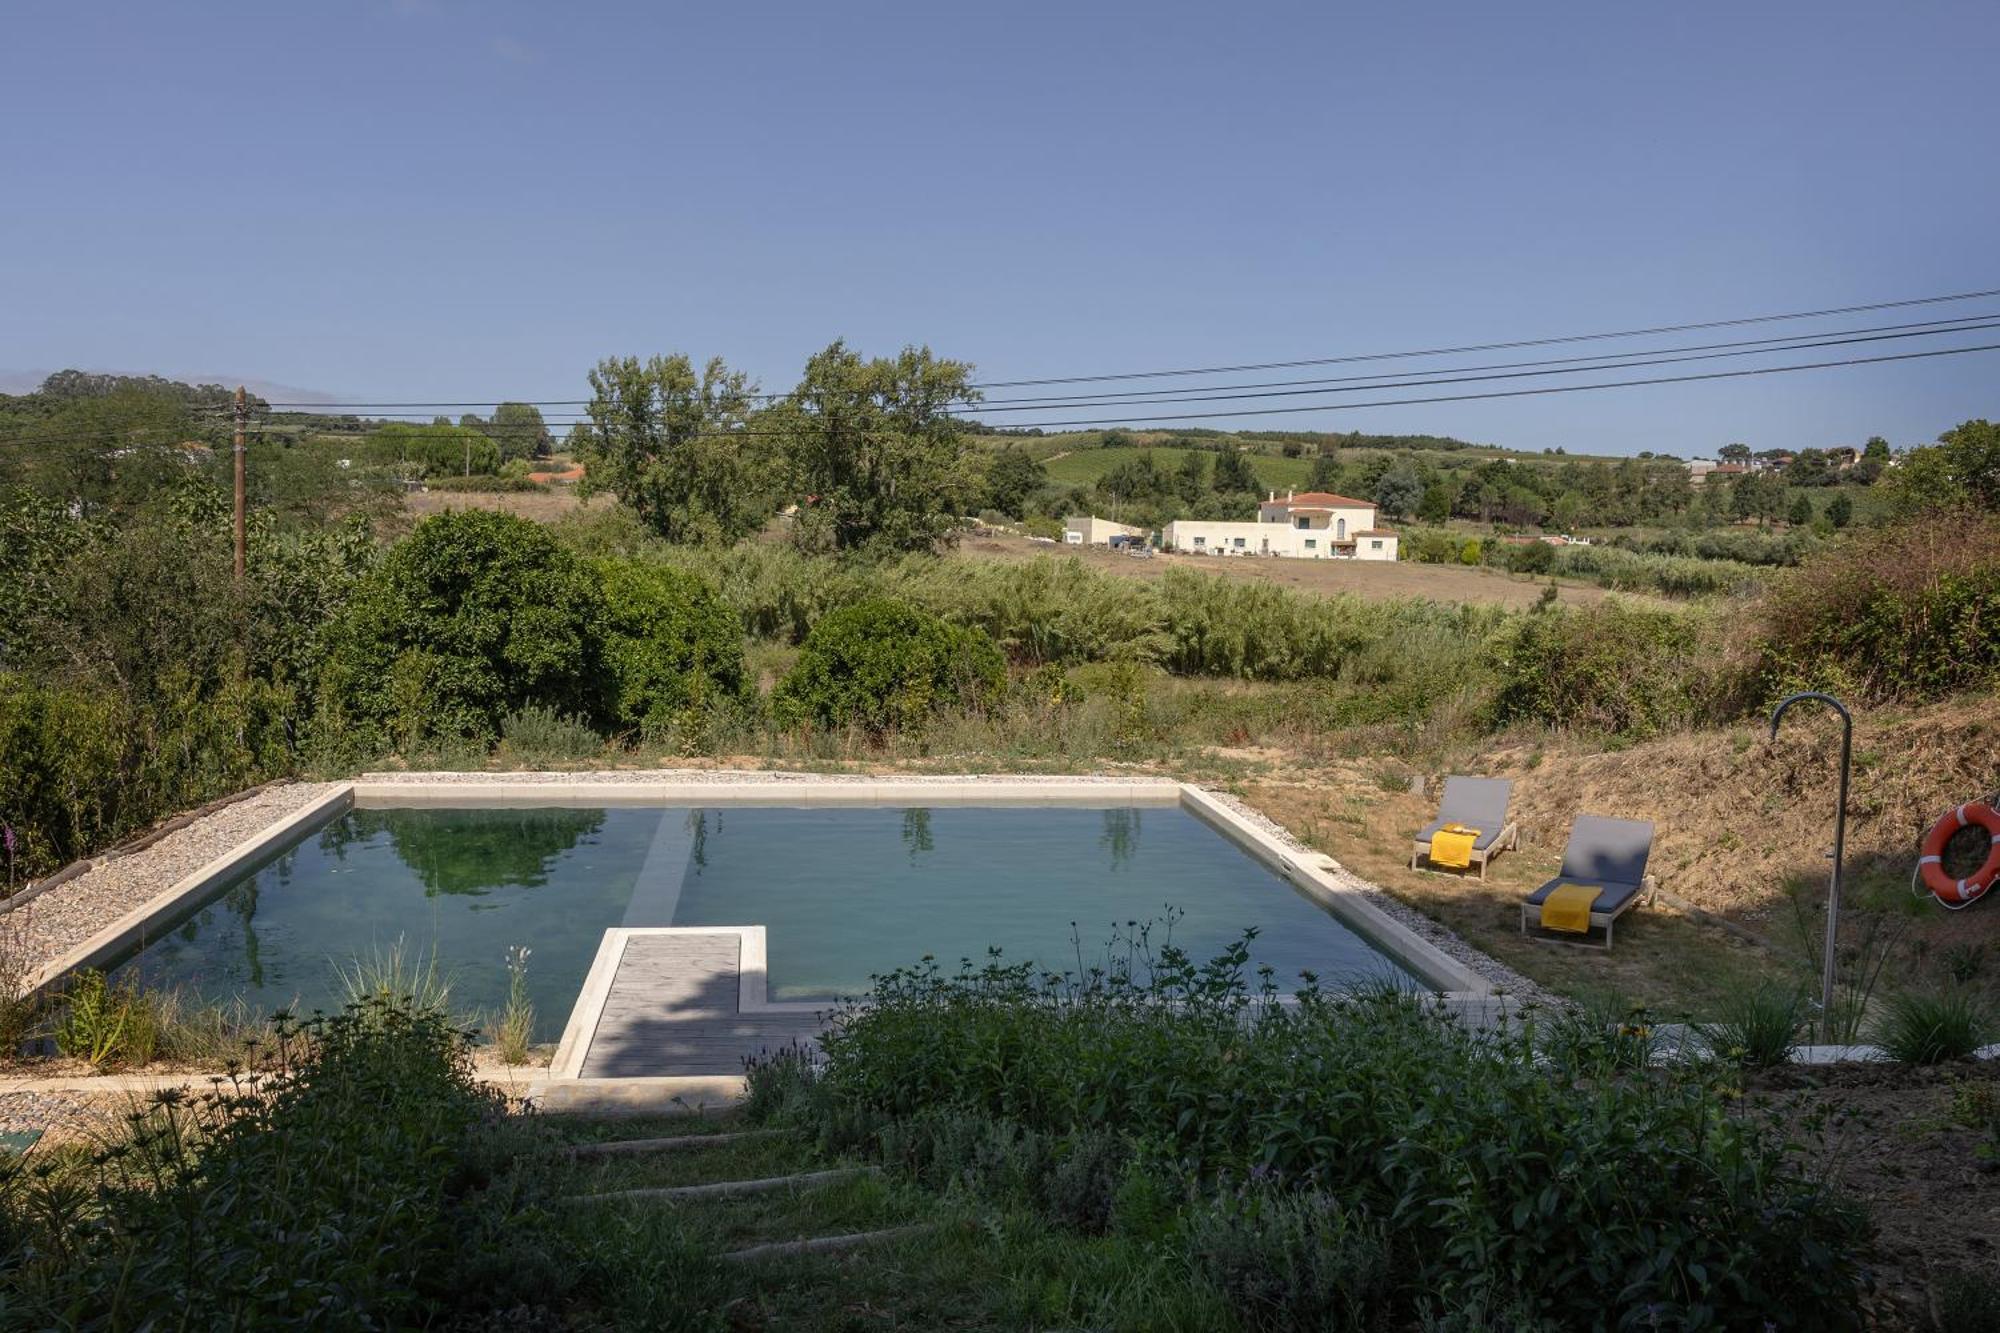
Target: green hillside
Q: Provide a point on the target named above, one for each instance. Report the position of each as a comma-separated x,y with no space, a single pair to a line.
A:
1085,466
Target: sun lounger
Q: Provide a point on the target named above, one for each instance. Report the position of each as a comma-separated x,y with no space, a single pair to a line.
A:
1479,803
1604,855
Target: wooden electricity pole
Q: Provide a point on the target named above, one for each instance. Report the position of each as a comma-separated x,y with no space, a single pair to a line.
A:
241,413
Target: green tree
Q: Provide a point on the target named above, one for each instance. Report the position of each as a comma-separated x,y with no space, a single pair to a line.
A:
1840,510
873,453
1810,468
1962,470
1399,491
882,663
675,446
1801,512
1012,479
520,432
1435,507
670,643
471,616
1191,479
1566,512
1734,453
1233,472
1325,472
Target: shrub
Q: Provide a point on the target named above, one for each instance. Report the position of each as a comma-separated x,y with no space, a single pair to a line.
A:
1758,1028
1609,668
1489,1177
1293,1261
321,1196
470,617
670,642
1967,1301
1910,613
105,1025
882,664
1931,1027
536,732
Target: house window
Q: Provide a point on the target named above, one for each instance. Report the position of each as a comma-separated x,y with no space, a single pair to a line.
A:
1301,522
1311,544
1201,541
1374,546
1340,529
1239,542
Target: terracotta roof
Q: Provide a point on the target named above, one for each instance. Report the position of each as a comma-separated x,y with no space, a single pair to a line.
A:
1312,498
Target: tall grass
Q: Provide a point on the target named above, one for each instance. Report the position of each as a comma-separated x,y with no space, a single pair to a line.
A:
397,976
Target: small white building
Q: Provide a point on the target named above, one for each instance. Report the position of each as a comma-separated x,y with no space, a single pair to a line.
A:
1305,525
1088,530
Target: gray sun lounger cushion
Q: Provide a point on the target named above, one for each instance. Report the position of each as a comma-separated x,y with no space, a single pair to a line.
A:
1611,898
1608,851
1479,803
1487,832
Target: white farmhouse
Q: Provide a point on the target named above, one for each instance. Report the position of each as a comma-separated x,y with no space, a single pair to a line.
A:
1305,525
1088,530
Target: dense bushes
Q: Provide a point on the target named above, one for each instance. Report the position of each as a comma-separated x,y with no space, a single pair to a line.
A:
1909,612
470,617
1609,1197
321,1197
880,664
670,643
1610,668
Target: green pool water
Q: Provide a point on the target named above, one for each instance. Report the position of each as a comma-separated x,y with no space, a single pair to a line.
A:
844,893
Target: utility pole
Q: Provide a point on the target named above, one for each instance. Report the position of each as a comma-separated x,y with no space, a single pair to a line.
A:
241,415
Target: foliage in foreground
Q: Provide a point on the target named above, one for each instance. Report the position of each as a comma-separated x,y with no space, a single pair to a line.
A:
1618,1195
320,1193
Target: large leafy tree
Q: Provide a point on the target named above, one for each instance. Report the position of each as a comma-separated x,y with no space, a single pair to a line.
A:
676,445
1012,479
472,616
873,453
1233,472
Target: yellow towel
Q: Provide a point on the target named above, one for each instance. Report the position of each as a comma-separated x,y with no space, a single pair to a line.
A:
1567,908
1452,845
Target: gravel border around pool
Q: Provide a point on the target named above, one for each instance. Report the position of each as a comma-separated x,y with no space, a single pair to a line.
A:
51,924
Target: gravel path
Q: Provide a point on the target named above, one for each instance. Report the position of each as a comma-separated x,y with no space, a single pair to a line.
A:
51,924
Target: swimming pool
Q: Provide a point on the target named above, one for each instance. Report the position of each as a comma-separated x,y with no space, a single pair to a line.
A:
844,893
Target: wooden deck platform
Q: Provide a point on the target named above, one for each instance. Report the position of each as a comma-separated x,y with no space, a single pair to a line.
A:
672,1006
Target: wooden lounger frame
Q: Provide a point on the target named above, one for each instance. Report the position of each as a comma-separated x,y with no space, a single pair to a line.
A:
1509,840
1531,916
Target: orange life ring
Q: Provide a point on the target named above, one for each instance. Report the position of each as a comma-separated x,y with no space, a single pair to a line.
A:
1955,893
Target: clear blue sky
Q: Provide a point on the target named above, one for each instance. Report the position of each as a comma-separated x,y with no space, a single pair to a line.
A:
435,198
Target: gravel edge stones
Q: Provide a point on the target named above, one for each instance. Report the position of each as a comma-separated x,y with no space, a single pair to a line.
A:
51,924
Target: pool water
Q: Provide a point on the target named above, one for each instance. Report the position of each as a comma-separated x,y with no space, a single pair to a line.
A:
844,893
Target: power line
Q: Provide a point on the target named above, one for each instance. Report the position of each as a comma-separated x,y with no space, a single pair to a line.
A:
1796,346
1250,366
1493,346
1525,393
1103,422
1374,383
1769,344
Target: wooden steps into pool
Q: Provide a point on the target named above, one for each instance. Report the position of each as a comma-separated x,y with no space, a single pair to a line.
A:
678,1002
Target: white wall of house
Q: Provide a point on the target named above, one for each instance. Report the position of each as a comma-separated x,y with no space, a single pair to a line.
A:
1089,530
1306,527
